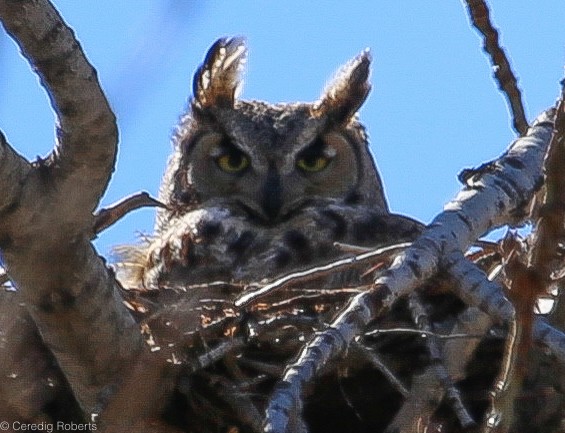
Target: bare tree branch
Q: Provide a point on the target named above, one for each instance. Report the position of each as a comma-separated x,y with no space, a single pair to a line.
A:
416,411
106,217
473,286
46,213
382,254
493,196
437,366
86,131
479,14
496,194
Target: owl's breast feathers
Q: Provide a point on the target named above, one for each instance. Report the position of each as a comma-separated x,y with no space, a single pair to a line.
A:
215,244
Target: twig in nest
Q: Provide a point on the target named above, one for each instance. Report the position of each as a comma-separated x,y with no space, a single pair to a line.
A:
350,248
243,408
318,271
260,329
420,317
499,414
479,14
487,250
285,331
264,368
321,296
376,362
422,333
225,285
216,353
474,288
108,216
286,401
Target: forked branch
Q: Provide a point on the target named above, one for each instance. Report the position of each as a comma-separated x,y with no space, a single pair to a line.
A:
491,198
46,211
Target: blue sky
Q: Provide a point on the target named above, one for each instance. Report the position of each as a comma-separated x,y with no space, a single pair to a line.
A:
434,108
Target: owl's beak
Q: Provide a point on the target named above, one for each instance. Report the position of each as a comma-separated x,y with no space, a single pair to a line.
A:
271,195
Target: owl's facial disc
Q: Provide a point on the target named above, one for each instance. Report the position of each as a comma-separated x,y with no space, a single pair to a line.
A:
226,175
270,176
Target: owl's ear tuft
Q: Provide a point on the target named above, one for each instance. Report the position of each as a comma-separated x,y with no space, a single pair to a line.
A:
348,90
217,81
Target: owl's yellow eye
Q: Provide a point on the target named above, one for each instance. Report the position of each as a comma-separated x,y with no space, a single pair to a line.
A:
233,162
313,164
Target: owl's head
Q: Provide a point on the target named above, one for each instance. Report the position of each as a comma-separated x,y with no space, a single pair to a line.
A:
272,160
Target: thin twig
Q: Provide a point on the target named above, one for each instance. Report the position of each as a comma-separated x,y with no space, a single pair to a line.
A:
350,248
377,363
318,271
108,216
479,14
324,296
421,333
501,398
420,317
244,409
216,353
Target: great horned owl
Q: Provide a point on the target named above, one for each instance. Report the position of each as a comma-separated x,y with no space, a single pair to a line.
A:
256,189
